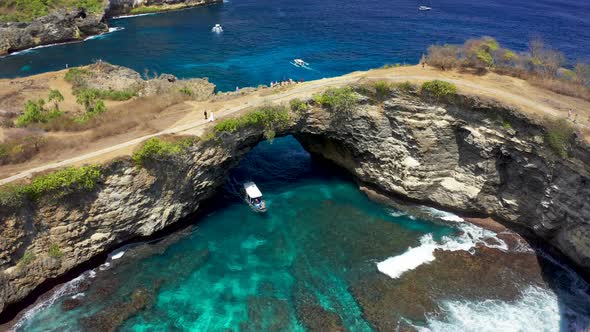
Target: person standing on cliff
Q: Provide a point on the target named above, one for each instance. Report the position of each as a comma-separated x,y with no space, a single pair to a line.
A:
205,114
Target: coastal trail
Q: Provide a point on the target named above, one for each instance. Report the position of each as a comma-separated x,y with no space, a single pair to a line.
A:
511,91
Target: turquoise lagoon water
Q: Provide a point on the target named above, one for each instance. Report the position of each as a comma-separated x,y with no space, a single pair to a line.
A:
300,266
336,37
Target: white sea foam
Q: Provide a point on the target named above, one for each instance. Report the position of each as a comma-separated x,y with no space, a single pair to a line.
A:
471,236
129,16
537,310
396,213
102,35
66,289
118,255
104,266
444,215
78,296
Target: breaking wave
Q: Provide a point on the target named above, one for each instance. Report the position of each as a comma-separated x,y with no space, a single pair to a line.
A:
469,238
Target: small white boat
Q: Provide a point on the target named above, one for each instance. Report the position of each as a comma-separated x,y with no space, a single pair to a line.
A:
299,63
424,8
217,28
253,197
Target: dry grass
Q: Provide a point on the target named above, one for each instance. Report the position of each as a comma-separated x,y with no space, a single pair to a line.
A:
567,88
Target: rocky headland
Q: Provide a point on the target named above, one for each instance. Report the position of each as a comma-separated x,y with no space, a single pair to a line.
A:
71,25
470,155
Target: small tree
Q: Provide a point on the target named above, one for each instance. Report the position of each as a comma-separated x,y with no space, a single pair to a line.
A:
87,98
56,97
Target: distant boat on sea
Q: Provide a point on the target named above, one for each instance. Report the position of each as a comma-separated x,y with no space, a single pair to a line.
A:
217,28
424,8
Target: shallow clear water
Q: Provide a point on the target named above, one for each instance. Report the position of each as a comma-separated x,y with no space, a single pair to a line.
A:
312,259
336,37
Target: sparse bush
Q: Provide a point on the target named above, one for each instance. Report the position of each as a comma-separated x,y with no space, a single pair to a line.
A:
21,148
438,89
187,91
298,106
444,57
56,97
559,134
382,90
158,147
337,99
28,258
406,87
75,76
55,252
56,185
34,113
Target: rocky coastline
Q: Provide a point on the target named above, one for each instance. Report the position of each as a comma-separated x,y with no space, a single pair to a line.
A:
71,25
457,155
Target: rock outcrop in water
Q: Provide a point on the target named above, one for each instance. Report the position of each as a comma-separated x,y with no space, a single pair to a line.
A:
59,27
459,156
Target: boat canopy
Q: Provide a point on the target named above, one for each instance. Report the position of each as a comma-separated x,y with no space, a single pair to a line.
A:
252,190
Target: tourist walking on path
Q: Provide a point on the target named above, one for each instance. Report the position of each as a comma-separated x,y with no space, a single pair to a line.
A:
211,117
205,114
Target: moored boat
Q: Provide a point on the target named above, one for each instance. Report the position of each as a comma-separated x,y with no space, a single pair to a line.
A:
253,197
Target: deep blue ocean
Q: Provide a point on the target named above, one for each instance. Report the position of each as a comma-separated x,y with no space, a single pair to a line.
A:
335,37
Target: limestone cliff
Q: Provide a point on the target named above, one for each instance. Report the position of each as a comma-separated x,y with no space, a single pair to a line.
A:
59,27
461,156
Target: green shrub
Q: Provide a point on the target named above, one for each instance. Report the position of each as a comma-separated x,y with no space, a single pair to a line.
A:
187,91
158,147
559,134
54,251
146,10
506,124
75,76
269,118
12,196
337,99
28,258
297,105
27,10
406,87
64,182
34,113
439,88
382,90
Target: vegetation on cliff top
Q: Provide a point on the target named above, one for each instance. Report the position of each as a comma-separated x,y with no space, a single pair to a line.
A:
27,10
56,185
559,135
158,147
270,118
337,99
540,65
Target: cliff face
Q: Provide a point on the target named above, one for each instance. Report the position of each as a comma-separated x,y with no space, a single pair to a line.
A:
58,27
460,157
122,7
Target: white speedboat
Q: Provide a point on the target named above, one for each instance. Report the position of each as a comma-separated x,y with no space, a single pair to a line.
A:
299,63
253,197
424,8
217,28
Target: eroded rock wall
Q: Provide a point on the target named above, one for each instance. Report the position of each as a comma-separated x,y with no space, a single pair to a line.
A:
471,155
122,7
59,27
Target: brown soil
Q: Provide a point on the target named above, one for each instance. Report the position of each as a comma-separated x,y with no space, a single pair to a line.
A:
186,117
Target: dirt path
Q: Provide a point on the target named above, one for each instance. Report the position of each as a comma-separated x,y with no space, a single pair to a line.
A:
530,100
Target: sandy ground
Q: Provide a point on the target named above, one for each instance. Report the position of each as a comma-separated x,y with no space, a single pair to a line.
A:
187,117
